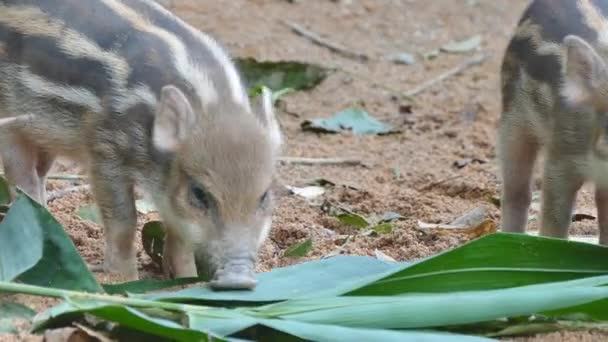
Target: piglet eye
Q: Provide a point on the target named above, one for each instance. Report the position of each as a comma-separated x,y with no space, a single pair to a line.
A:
198,197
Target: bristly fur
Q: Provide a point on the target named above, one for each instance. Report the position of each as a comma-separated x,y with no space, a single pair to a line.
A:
554,99
139,96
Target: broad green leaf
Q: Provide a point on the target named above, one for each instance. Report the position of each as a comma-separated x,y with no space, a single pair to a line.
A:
324,332
35,249
499,260
9,312
354,220
462,46
418,310
299,249
281,75
296,281
353,119
146,285
263,330
153,239
125,316
89,213
5,194
21,240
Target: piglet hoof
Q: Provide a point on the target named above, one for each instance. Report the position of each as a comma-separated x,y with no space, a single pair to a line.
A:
98,268
234,278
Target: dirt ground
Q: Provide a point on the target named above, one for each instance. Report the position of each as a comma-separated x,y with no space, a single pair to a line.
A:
411,173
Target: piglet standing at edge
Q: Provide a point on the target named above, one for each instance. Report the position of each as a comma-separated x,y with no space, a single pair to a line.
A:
555,98
140,97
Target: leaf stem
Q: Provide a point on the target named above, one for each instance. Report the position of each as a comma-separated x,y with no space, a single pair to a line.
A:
75,295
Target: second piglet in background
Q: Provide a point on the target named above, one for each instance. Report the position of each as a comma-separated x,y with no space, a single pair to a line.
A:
141,97
555,96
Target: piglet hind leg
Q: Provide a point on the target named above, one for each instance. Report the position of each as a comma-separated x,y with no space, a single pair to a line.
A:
601,200
561,183
114,195
44,163
517,153
20,159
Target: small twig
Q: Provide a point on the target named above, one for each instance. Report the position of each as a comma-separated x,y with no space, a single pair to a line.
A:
469,63
439,182
321,161
64,177
53,195
317,39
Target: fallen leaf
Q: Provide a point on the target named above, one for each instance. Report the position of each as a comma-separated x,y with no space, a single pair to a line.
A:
462,46
309,192
387,217
472,217
383,257
281,75
353,119
485,227
383,228
461,163
353,220
300,249
402,58
89,213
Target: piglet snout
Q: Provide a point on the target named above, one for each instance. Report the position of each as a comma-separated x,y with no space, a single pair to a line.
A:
237,274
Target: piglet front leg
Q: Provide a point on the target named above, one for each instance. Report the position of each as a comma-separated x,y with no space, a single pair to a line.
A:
115,197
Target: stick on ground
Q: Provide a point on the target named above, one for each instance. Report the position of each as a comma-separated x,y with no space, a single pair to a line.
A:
469,63
53,195
321,161
317,39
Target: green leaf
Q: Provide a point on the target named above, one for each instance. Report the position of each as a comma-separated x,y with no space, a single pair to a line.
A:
300,249
279,76
264,329
296,281
354,220
418,310
35,249
9,312
462,46
383,228
353,119
89,213
146,285
125,316
153,239
5,194
499,260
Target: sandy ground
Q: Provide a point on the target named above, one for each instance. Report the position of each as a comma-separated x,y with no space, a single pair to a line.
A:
411,173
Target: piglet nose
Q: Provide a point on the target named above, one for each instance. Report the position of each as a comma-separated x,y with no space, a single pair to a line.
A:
237,274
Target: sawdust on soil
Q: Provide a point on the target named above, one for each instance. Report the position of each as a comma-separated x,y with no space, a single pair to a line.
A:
411,173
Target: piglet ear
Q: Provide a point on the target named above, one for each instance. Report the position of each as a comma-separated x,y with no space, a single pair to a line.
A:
264,110
174,117
585,74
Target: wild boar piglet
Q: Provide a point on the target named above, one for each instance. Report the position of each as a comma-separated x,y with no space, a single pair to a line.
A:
140,97
555,99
